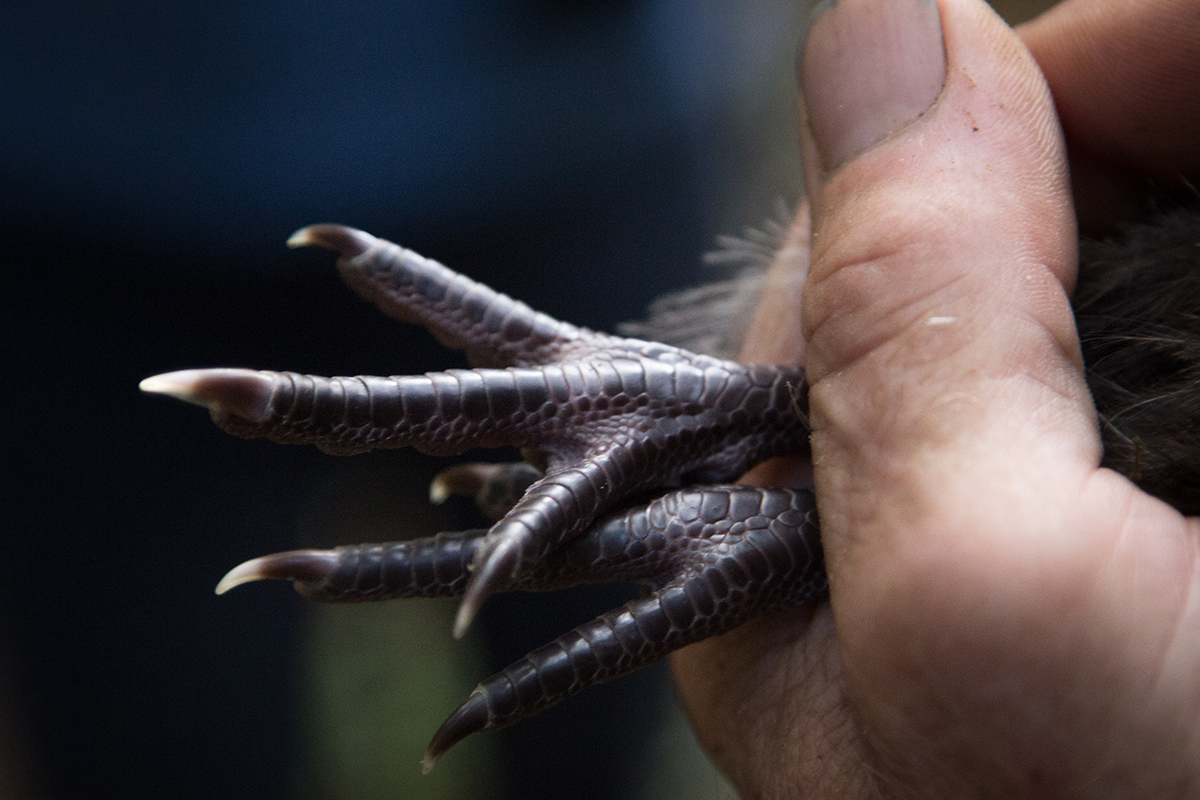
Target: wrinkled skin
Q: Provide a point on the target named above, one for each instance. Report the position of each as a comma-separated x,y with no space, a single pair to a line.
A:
1005,619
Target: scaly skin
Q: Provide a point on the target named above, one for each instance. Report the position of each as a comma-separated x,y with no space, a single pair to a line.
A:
711,558
604,419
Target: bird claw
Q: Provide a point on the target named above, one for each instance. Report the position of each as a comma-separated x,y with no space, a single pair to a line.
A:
349,242
241,393
711,559
607,418
495,567
302,567
496,488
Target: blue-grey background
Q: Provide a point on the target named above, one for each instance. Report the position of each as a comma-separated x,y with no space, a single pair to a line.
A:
578,154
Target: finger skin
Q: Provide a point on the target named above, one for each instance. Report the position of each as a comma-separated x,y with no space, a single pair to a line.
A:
985,581
1124,78
1006,619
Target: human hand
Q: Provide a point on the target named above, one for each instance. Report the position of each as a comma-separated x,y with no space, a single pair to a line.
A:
1004,618
1125,79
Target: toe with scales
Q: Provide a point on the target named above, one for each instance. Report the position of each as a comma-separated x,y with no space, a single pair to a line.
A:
662,415
714,557
609,418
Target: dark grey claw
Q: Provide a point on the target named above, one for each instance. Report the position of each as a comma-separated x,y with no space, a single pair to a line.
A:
614,644
605,418
714,557
731,554
436,566
493,329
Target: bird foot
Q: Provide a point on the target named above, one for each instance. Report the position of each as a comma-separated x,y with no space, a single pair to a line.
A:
602,419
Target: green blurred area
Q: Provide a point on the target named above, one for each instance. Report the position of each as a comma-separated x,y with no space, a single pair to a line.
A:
379,679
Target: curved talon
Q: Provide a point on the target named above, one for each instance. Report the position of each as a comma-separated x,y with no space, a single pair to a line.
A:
349,242
244,393
464,479
610,418
471,717
605,418
494,568
496,488
299,566
714,558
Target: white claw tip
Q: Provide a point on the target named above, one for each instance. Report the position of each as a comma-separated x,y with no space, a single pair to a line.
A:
427,764
251,570
349,242
301,238
462,619
243,393
439,492
497,565
179,385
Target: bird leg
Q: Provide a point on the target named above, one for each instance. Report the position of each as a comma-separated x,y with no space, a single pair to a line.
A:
603,418
711,558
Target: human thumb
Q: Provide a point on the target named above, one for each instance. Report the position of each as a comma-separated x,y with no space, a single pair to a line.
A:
946,383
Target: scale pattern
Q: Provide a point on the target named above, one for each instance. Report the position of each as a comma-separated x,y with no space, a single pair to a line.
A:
603,419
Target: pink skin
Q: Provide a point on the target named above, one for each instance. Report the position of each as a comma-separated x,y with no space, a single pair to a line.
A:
1006,619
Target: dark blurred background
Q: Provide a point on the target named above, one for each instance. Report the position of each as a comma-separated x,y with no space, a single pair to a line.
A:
577,154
